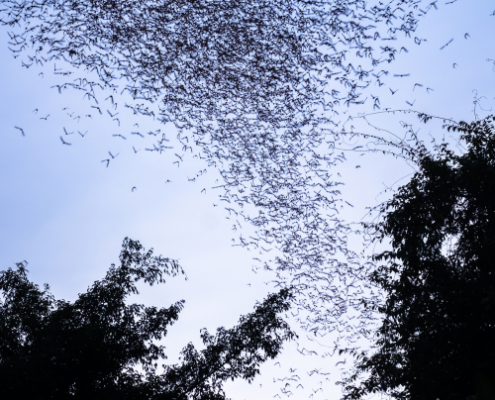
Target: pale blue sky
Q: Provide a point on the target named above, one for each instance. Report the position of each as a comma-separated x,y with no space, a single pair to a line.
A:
65,213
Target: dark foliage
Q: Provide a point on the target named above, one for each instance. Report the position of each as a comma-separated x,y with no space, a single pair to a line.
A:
436,340
53,349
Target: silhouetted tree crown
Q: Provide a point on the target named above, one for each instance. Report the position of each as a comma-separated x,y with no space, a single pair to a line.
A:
88,349
436,339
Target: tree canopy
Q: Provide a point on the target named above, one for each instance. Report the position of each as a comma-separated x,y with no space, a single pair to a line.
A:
436,338
54,349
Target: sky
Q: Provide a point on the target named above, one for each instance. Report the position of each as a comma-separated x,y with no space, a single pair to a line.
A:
66,213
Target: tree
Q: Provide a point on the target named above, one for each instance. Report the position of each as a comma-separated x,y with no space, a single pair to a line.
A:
54,349
436,338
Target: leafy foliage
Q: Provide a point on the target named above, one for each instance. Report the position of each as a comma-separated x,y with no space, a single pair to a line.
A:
53,349
436,339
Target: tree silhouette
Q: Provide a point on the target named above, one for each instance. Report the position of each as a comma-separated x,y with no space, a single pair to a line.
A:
54,349
436,338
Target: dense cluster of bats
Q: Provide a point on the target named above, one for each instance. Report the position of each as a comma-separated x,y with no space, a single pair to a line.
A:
255,87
